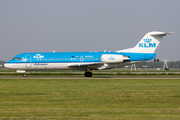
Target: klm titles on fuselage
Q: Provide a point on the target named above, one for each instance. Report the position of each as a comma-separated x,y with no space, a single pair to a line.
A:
147,44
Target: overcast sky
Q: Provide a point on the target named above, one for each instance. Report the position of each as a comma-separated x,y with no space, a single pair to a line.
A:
86,25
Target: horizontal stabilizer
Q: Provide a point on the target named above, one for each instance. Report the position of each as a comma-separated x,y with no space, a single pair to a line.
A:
161,33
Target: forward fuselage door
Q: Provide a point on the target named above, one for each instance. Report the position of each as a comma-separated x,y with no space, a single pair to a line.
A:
81,58
28,61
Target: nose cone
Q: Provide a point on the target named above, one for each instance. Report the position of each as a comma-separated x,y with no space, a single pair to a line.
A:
6,65
11,65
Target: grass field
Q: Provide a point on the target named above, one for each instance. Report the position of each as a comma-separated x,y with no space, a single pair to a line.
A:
4,70
97,73
91,99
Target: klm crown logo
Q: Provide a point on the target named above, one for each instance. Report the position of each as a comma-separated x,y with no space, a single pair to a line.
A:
38,56
111,58
147,44
147,40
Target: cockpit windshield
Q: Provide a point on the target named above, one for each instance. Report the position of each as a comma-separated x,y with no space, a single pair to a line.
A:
16,58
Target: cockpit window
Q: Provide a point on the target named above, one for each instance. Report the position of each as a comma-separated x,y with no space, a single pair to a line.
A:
16,58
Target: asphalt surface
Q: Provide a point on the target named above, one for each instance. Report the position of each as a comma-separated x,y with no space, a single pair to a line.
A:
89,77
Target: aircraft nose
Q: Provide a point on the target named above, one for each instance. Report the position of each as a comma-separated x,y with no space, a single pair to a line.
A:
6,65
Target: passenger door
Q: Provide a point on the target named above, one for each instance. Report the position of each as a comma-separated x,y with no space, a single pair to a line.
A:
81,58
28,61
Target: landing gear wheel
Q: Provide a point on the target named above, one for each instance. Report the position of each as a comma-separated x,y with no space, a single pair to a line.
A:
88,74
24,75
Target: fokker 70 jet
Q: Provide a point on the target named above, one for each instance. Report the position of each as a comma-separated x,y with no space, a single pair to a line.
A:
88,61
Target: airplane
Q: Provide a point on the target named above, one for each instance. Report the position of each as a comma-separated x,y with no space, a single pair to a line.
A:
88,61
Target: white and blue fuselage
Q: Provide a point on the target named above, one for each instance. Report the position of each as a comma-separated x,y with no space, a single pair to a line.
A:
88,61
74,60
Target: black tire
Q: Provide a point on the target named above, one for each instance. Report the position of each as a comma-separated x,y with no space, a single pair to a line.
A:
88,74
24,75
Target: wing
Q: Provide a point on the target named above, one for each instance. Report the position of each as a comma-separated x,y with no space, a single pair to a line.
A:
91,65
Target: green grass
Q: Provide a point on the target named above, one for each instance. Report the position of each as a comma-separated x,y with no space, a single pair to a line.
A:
91,99
107,70
95,74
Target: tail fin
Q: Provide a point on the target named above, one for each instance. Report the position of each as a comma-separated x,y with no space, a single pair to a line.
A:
149,42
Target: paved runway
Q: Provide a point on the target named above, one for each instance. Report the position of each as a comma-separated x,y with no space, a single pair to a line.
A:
89,77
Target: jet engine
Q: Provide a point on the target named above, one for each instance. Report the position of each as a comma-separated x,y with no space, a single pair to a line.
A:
113,58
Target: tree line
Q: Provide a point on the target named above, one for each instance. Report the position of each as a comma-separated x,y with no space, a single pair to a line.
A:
152,64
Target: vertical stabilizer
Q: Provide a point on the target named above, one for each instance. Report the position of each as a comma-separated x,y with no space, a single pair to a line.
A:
149,42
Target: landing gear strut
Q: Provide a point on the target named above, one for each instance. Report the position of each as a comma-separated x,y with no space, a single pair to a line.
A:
88,74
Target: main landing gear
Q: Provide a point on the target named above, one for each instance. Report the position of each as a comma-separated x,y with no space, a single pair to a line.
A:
88,74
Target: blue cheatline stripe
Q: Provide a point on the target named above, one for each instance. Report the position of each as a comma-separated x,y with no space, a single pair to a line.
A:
57,62
25,57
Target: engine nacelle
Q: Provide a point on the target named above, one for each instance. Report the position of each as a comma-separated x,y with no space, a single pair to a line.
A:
112,58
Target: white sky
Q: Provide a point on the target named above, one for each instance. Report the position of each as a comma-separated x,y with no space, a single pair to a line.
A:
86,25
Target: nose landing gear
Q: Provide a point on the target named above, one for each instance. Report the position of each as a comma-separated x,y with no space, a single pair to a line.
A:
24,75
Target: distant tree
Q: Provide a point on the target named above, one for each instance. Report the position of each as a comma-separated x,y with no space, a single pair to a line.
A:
2,63
159,64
